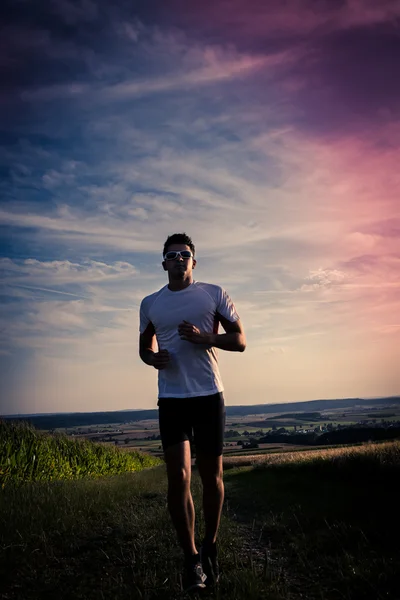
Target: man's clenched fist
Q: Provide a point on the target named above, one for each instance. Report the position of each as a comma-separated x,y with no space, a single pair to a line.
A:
160,359
190,333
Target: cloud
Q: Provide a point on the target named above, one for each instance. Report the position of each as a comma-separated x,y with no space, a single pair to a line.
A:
390,329
213,71
64,271
54,179
93,292
35,288
384,267
198,189
356,13
322,278
245,18
78,11
172,61
66,328
274,350
252,139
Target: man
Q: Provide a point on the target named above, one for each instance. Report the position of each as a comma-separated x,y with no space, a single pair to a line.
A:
183,318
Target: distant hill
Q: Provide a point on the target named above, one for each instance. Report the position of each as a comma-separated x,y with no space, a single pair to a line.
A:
309,416
62,420
313,405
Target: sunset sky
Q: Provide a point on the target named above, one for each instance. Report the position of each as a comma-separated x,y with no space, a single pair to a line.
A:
269,131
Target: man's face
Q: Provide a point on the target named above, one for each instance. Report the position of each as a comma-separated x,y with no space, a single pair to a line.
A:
179,268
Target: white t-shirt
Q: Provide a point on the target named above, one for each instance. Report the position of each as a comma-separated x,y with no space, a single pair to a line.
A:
193,368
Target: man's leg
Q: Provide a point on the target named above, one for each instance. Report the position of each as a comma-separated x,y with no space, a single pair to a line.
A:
210,469
208,431
175,430
209,426
180,502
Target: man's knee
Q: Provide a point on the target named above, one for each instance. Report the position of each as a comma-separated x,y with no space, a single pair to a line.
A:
177,458
211,474
178,478
213,480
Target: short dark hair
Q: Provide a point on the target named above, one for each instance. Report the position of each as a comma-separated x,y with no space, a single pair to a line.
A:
179,238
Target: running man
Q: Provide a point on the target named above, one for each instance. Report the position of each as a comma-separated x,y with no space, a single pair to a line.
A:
183,319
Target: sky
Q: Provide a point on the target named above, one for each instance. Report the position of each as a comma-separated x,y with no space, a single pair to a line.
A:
267,131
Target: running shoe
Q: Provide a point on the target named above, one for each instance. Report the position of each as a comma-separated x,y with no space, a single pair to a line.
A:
194,576
209,560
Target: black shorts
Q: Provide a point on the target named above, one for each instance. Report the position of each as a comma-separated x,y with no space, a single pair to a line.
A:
200,419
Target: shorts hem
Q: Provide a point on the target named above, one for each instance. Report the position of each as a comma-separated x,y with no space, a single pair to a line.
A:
192,395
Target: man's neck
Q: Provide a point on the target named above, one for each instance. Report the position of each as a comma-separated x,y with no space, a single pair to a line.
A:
176,286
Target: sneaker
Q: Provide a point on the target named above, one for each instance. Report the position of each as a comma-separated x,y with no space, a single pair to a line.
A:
209,560
194,576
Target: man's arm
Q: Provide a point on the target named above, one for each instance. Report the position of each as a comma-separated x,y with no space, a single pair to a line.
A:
158,360
233,340
147,345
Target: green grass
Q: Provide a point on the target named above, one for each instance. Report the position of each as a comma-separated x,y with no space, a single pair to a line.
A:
106,538
320,525
27,454
333,516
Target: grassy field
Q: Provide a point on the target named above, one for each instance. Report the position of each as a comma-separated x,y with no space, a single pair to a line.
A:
134,433
27,454
330,515
320,525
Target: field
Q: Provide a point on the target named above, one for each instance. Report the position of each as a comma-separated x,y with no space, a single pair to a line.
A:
315,525
132,436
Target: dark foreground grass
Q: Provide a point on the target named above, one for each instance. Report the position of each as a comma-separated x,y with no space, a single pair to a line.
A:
333,518
325,529
107,538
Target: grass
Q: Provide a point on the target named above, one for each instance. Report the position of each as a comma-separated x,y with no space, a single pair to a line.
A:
310,525
27,454
333,515
303,454
254,457
105,538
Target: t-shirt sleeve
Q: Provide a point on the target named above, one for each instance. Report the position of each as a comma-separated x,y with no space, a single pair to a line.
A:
225,306
144,319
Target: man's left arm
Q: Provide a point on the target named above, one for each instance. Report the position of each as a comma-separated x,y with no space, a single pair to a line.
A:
233,340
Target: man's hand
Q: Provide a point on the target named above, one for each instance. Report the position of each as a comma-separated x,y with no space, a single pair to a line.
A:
160,359
190,333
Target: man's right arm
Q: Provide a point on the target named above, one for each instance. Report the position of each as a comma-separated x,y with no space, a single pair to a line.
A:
159,360
146,344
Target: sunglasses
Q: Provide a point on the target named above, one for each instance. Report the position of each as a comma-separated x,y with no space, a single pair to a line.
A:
172,255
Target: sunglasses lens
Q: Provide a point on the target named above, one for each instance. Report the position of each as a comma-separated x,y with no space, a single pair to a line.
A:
173,255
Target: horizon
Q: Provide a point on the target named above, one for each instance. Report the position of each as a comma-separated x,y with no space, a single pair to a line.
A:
269,134
227,405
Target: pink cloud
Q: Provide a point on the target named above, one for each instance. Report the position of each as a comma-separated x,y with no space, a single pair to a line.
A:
252,18
187,65
323,278
347,187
